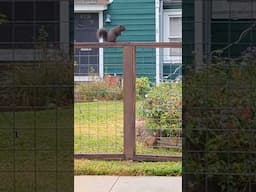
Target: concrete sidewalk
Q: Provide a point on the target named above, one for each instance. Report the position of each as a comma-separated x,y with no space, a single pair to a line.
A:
127,184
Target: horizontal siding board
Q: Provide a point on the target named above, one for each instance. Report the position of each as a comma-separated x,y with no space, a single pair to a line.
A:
127,6
123,17
134,1
135,33
133,23
135,12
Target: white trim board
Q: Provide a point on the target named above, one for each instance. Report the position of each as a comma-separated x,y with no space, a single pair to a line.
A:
101,51
86,78
157,32
85,8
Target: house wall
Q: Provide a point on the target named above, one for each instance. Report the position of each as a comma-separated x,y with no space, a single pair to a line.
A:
139,19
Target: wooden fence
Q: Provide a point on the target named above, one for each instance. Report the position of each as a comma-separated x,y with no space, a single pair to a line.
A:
129,67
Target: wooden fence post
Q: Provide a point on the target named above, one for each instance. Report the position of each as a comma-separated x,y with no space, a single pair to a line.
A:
129,64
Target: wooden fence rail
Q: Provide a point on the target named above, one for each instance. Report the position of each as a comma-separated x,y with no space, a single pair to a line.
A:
132,44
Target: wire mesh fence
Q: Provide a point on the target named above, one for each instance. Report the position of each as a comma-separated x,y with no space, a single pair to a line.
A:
218,123
158,102
99,106
101,102
98,127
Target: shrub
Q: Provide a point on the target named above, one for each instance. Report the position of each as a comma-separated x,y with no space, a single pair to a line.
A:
142,87
98,90
161,109
36,84
226,115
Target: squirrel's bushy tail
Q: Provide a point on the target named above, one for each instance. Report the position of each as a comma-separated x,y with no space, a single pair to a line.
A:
102,33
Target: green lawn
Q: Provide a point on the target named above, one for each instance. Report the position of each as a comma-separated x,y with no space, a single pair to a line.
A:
99,129
127,168
43,146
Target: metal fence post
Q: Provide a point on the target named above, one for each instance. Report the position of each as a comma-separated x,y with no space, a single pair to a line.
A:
129,64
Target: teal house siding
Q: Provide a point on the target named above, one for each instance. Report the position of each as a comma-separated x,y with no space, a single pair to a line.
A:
139,20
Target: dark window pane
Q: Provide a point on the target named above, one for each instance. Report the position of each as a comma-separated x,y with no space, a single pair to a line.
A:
52,9
86,26
6,32
24,11
23,32
24,35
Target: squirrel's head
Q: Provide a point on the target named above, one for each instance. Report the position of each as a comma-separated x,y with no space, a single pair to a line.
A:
122,27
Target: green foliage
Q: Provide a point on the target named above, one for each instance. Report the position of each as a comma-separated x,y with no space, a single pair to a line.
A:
3,19
42,42
98,90
142,87
161,108
224,86
34,84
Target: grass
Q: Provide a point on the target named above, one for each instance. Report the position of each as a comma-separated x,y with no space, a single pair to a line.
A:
127,168
90,120
40,133
99,129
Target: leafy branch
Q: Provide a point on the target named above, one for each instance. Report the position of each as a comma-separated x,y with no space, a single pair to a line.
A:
241,36
3,18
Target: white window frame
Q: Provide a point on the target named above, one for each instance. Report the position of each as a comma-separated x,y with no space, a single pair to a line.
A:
167,58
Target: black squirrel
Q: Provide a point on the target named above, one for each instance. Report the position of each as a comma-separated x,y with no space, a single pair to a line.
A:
112,34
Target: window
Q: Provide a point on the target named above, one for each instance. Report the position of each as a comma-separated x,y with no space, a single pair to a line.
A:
175,26
86,60
172,33
24,21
